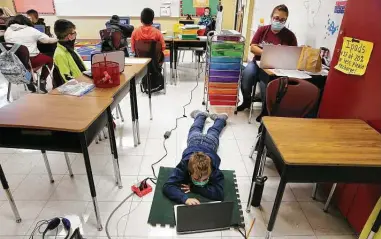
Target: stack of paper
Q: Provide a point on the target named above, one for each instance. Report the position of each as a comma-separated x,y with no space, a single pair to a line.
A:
75,88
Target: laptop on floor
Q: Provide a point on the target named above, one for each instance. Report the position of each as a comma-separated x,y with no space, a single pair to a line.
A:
114,56
213,216
280,57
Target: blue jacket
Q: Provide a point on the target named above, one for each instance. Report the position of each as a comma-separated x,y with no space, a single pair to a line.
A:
214,190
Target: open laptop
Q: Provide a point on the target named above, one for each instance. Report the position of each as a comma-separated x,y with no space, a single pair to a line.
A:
124,20
40,28
114,56
280,57
204,217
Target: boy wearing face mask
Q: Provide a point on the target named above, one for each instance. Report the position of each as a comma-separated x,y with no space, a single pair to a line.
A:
206,19
275,34
198,171
66,58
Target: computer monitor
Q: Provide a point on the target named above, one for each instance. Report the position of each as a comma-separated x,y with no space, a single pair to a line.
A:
157,26
40,28
124,20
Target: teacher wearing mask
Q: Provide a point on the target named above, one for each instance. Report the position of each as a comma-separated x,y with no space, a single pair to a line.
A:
274,34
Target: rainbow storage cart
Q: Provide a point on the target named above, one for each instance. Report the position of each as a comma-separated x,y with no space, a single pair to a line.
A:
223,70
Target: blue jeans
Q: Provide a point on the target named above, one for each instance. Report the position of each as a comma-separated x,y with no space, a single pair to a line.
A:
209,140
249,79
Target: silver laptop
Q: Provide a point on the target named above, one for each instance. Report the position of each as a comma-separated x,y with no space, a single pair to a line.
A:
114,56
280,57
213,216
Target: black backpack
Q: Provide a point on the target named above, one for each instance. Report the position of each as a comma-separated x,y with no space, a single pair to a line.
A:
155,76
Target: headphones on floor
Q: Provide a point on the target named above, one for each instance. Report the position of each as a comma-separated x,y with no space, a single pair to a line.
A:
55,222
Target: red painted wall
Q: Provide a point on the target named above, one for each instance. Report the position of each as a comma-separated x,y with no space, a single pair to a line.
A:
359,97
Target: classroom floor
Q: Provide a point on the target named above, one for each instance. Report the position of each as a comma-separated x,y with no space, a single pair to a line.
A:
37,198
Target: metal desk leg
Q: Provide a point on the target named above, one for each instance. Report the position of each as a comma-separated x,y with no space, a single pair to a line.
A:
274,213
115,150
68,164
132,104
326,206
9,195
314,191
175,56
47,165
136,114
120,112
149,94
90,178
261,150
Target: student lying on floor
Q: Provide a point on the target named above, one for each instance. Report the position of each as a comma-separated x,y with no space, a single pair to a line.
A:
198,171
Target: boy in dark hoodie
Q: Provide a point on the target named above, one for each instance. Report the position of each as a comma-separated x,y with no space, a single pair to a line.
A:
198,170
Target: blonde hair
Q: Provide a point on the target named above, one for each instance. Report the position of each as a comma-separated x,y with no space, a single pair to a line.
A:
199,165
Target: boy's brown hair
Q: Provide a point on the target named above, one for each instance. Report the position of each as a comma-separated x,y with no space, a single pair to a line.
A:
199,165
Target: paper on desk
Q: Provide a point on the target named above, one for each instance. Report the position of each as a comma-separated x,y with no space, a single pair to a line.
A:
133,60
291,73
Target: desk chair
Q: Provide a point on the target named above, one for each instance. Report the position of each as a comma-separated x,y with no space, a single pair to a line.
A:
143,49
23,54
287,97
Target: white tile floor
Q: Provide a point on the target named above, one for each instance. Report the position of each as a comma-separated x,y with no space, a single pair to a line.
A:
37,199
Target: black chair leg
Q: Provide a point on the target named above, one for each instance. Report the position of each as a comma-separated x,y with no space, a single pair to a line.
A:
9,91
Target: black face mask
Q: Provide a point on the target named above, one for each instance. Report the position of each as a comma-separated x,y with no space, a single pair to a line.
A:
68,44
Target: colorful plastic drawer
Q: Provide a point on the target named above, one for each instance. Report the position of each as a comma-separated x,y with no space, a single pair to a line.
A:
228,38
223,102
223,97
224,73
214,91
230,53
223,79
222,59
189,37
225,66
223,85
227,46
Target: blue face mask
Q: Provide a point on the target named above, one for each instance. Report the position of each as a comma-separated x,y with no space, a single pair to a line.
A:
200,184
277,26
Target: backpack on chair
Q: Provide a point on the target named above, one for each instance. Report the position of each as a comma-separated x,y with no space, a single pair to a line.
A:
111,40
156,77
12,68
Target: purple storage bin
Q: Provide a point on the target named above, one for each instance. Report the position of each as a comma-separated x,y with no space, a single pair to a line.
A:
223,79
224,73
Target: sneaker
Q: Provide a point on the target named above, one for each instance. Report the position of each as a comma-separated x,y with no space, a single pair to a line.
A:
223,116
195,113
31,87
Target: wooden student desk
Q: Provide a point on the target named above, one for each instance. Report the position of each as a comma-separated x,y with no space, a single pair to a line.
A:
127,84
318,150
57,123
173,43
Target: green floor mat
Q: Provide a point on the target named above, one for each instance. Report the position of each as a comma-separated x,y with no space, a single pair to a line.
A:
162,208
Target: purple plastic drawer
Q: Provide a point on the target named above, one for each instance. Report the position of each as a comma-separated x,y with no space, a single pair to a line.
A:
224,73
223,79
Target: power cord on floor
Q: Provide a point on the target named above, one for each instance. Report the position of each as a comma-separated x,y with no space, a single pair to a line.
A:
167,134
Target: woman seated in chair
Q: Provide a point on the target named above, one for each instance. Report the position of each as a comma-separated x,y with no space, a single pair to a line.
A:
20,31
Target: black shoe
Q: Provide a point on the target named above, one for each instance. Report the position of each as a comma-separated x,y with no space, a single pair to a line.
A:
43,88
256,99
245,105
31,87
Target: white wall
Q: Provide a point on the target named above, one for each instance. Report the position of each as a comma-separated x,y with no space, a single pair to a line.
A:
308,19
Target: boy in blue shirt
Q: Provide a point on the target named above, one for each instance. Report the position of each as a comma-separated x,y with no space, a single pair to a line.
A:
198,170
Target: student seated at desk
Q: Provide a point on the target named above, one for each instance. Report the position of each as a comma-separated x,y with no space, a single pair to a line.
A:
20,31
147,31
124,28
66,58
36,20
275,34
206,19
198,171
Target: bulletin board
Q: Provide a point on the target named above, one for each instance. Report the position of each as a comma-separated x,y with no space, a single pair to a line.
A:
187,7
41,6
